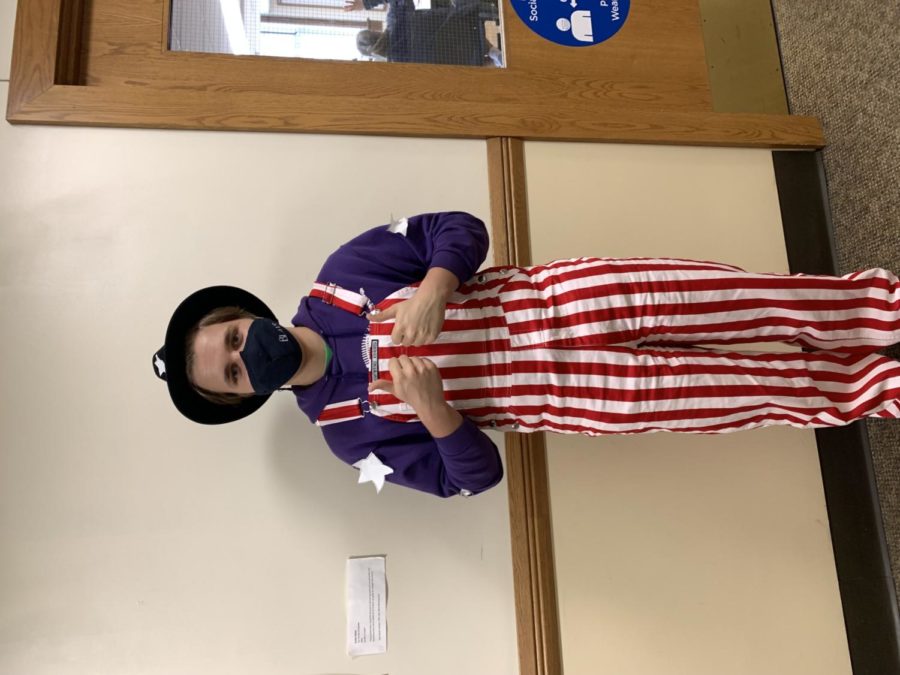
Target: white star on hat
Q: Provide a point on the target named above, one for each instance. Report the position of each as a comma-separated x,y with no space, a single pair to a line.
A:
371,469
160,366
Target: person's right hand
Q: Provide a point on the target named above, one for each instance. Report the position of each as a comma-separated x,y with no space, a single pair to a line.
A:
353,5
417,321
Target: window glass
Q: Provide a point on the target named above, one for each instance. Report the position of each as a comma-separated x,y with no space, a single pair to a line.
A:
453,32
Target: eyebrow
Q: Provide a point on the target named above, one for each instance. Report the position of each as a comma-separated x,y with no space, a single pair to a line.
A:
227,343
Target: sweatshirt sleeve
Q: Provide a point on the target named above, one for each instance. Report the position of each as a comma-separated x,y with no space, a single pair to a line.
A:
465,462
392,256
455,241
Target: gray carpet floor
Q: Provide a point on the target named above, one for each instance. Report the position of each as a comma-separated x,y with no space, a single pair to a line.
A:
842,65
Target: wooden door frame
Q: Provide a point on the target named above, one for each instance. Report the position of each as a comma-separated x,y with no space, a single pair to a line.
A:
534,575
47,87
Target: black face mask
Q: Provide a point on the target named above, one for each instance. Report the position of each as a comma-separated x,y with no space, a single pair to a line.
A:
271,355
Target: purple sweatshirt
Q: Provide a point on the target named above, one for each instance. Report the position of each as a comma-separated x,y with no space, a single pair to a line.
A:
382,262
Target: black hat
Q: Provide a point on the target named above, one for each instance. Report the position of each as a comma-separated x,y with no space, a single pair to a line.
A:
169,361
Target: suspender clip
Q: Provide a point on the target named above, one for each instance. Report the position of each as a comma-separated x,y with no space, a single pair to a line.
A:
370,307
330,291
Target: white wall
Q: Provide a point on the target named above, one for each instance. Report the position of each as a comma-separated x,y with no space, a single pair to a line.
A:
134,541
683,554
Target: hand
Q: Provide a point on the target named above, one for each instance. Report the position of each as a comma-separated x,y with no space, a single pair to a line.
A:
417,321
353,5
416,381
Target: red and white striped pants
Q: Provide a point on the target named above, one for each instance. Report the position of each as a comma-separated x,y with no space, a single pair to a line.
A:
597,346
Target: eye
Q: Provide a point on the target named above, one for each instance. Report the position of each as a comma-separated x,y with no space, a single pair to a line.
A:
235,339
235,371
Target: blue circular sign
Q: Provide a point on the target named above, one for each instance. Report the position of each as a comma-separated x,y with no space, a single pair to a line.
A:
574,23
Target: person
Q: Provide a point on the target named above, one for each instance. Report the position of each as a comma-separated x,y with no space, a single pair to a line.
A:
404,354
449,35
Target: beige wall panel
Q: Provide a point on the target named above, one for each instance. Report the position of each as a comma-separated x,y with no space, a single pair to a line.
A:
682,554
7,23
742,56
135,542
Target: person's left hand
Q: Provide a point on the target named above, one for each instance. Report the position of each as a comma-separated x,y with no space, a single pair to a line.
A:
353,5
416,381
417,321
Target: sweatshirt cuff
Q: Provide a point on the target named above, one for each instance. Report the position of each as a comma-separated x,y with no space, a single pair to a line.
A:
460,440
453,262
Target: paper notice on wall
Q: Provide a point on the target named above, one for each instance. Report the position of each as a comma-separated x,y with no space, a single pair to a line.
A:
366,604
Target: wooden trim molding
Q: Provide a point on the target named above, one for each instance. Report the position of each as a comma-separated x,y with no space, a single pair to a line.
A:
34,60
78,67
534,576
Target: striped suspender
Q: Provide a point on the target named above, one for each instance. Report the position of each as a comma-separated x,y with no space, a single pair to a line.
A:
332,294
343,411
355,303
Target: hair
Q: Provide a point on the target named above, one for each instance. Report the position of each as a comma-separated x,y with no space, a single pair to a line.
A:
373,43
219,315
